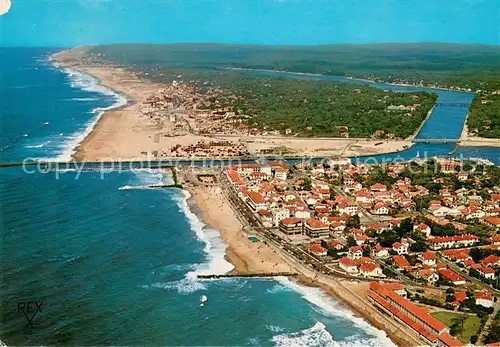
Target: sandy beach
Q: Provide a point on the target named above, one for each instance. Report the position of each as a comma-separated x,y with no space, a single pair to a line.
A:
125,134
249,257
246,256
474,141
122,134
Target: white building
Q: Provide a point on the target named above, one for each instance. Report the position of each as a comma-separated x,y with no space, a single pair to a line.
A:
348,265
429,258
279,214
370,270
256,201
484,299
280,174
355,253
303,214
400,248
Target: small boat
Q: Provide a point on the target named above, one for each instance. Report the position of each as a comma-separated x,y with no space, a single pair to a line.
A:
418,155
46,123
204,299
25,135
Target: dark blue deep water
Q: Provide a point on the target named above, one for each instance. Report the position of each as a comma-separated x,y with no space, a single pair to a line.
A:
116,266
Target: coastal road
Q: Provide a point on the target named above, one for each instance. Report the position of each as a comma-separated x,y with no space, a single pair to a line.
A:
475,280
486,327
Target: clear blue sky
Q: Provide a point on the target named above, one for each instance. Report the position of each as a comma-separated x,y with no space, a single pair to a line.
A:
77,22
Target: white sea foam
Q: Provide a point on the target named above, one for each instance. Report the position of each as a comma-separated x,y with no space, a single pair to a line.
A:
215,249
356,341
316,335
329,306
278,288
84,99
183,286
41,145
150,176
145,177
88,83
274,328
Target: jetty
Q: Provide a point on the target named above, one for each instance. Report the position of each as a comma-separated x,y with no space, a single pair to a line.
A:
102,166
152,186
259,274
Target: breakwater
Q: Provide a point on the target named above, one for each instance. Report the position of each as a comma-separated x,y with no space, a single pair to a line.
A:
260,274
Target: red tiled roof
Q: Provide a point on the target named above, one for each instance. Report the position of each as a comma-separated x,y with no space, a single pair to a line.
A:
368,267
423,226
452,276
483,295
317,248
315,223
235,177
493,220
394,286
449,340
291,220
423,315
461,296
334,243
347,261
487,270
464,237
401,261
256,197
429,255
469,262
494,238
491,259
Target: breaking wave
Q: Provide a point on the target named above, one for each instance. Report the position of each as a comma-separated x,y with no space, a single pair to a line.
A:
330,306
215,248
316,335
88,83
41,145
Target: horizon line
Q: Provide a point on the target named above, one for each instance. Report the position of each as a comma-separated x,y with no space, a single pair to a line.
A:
258,44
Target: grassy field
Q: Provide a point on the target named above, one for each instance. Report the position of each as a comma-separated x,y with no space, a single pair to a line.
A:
471,325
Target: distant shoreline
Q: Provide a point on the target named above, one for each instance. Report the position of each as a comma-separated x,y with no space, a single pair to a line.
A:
116,133
352,78
121,134
473,141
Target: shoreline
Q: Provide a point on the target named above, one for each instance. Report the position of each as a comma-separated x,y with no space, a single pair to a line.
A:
123,134
217,212
474,141
352,78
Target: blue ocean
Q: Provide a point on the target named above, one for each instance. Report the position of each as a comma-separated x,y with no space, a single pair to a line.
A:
118,267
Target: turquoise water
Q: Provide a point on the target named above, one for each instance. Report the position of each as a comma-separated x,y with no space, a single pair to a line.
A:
117,266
